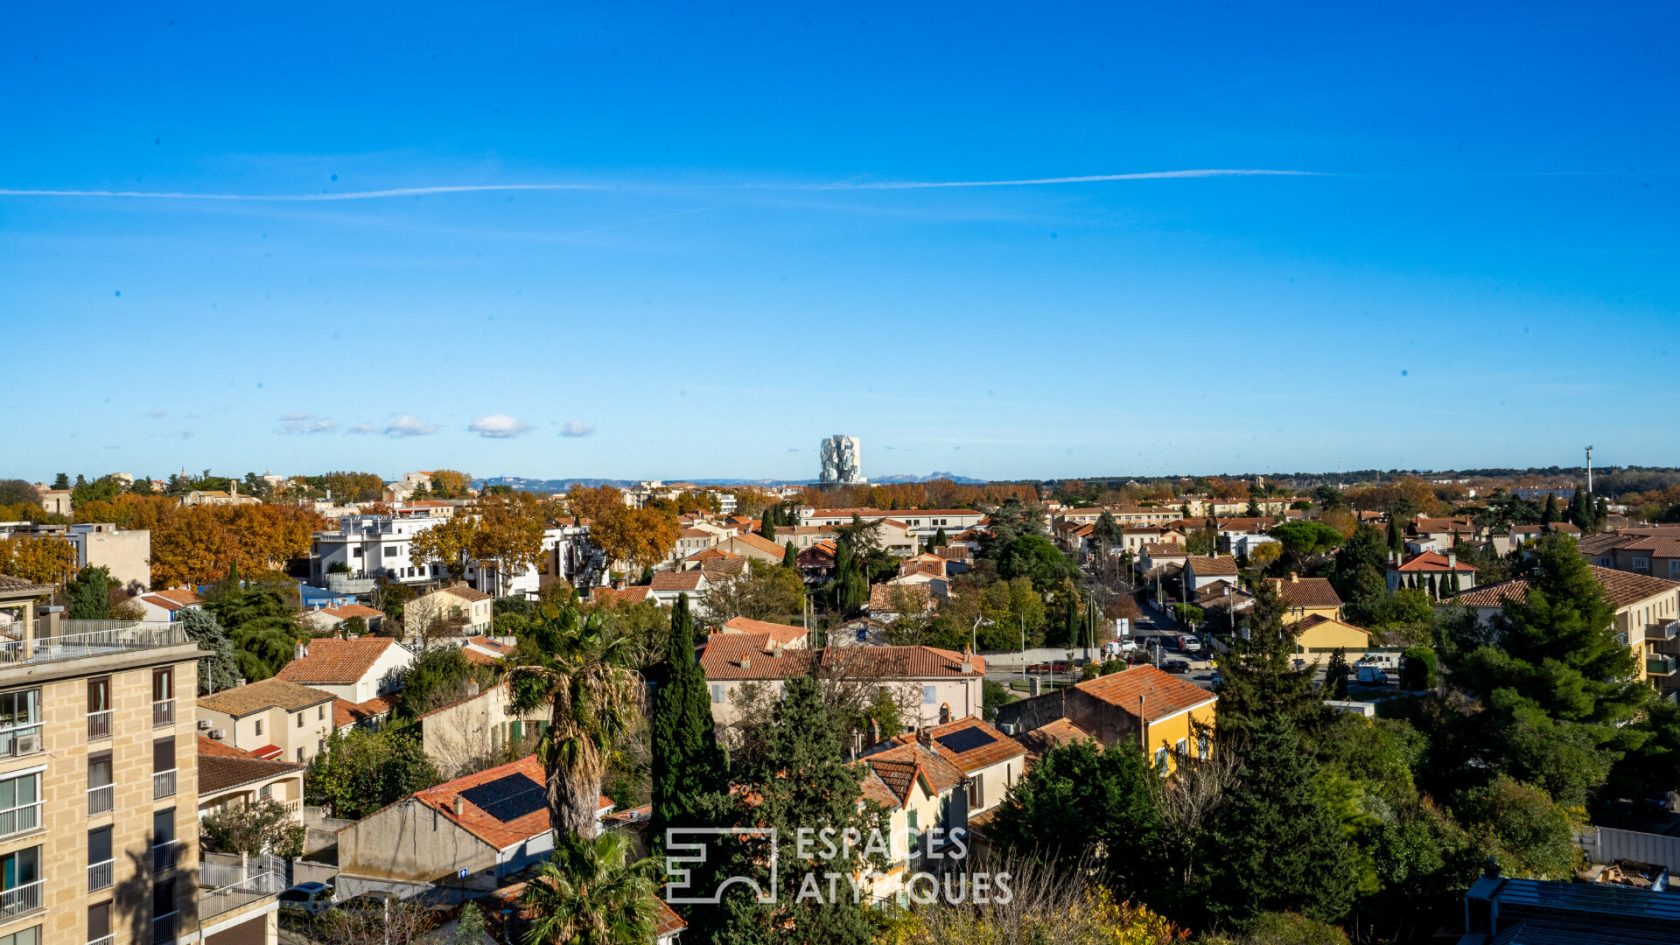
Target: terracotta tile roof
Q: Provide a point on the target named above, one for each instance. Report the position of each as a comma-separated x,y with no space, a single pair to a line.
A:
676,581
351,611
887,513
901,767
220,771
175,598
1307,592
1212,567
478,658
1432,562
622,595
1001,748
346,712
1165,549
1622,588
333,662
499,834
259,696
489,644
779,632
667,922
1319,620
734,656
724,569
15,584
881,597
1443,526
711,554
1164,694
468,594
1051,734
761,544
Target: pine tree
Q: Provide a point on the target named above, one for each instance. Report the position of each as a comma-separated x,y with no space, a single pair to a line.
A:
90,594
688,766
1336,674
1277,845
1260,678
799,782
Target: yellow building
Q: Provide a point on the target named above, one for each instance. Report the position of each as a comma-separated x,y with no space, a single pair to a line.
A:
1307,597
1318,636
1168,717
99,789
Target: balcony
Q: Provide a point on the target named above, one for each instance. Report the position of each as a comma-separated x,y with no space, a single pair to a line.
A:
165,928
99,725
83,639
103,940
101,799
163,713
226,884
163,784
165,857
1663,631
20,900
1659,665
351,583
20,819
99,875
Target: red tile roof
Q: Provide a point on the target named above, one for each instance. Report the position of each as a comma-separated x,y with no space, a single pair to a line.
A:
1307,592
1163,693
1430,562
1050,735
1212,567
779,632
499,834
468,594
334,662
1000,749
731,656
901,767
175,598
1622,588
219,770
676,581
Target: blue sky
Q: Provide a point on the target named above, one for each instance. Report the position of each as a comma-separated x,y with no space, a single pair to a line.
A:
735,253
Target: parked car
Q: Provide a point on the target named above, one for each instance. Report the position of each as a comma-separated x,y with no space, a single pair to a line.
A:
1176,666
1189,644
1371,676
309,898
1039,668
1061,666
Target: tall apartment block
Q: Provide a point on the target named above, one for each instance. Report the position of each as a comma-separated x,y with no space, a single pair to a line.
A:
99,789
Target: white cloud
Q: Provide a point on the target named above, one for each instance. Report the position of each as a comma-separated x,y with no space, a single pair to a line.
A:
499,426
576,428
295,423
407,424
362,429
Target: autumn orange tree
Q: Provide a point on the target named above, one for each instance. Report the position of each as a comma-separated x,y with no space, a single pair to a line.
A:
506,529
47,559
643,537
591,502
450,484
199,544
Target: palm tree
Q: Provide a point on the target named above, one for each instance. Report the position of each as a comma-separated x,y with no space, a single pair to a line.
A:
590,893
594,694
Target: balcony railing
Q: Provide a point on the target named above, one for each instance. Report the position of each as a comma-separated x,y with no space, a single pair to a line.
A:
1659,665
85,638
17,742
99,875
163,784
242,891
163,713
1663,631
165,856
103,940
164,928
99,725
101,799
20,819
20,900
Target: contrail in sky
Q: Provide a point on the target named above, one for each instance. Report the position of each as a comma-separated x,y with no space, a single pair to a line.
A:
445,189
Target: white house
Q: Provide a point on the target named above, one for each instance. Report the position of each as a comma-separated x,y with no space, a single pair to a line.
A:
354,670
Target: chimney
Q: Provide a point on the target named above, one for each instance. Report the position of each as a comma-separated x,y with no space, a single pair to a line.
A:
300,651
460,805
924,736
1294,577
233,488
1452,561
967,662
746,662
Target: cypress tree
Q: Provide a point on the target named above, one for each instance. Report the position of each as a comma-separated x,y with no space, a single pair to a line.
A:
790,557
688,766
1336,674
1396,543
1277,845
1549,514
767,525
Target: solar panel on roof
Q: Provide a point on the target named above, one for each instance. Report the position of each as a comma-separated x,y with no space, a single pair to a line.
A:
507,798
965,739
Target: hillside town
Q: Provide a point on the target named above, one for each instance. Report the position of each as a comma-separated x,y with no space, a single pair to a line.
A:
444,711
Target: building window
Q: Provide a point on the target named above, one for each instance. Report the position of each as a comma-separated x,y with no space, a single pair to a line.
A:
929,695
163,768
20,722
31,936
320,712
1182,749
1202,745
20,882
300,720
20,804
259,726
300,753
163,697
164,914
99,923
99,859
99,790
165,847
99,707
1161,760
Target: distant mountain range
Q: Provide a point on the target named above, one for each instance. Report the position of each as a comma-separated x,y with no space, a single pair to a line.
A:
522,484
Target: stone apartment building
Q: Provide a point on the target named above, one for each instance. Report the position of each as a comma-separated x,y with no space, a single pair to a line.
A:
99,789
